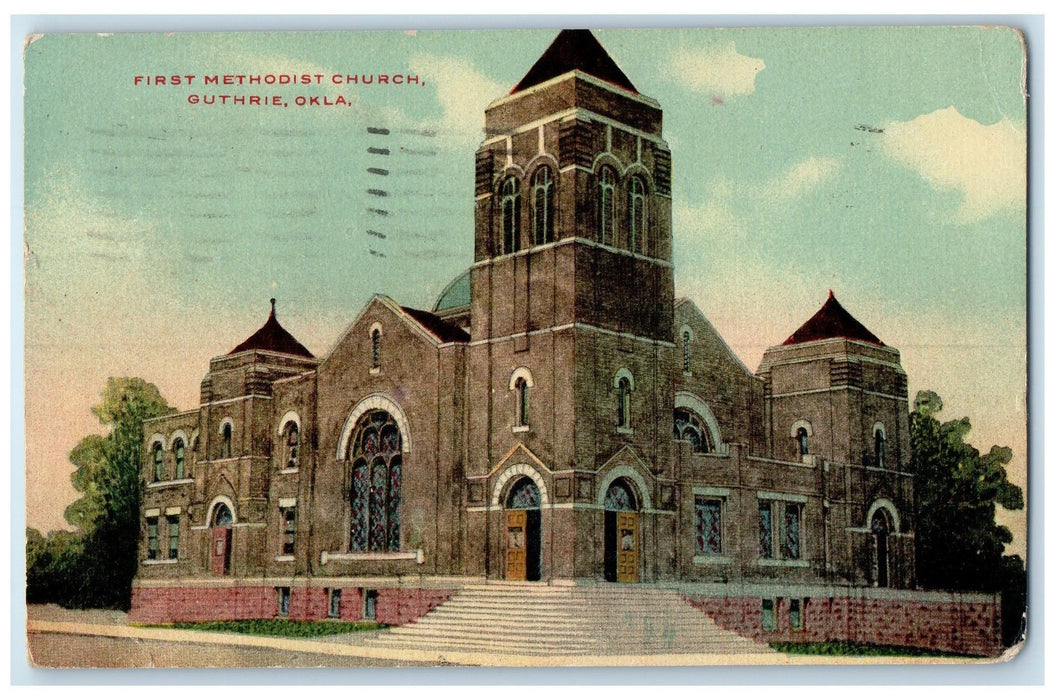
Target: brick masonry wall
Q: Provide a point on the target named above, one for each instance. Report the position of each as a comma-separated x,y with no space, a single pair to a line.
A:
956,626
395,606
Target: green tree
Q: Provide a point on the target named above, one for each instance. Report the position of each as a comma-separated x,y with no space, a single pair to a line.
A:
959,545
106,516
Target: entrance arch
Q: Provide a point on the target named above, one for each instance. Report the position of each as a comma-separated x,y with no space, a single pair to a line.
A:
620,533
523,528
222,519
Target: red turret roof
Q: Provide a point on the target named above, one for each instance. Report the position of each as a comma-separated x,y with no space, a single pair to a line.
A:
273,337
575,49
832,321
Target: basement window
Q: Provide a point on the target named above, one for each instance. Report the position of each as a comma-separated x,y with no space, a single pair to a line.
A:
769,615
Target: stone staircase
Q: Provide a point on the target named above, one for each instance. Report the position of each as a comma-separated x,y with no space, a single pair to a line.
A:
540,619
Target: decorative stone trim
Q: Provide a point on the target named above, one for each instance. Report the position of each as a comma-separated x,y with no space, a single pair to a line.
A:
417,555
172,482
788,563
152,562
370,403
779,496
710,491
715,559
284,557
287,503
174,510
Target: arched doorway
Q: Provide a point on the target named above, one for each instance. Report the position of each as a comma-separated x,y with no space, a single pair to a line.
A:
222,519
881,535
620,533
524,532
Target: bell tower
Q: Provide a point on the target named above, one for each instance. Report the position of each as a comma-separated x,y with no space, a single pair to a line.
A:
572,292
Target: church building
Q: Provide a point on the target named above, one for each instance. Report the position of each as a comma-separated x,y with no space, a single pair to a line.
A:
557,416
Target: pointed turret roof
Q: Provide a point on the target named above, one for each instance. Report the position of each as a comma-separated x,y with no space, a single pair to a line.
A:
575,49
832,321
273,337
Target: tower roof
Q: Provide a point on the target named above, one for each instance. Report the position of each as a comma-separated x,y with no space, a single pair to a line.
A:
832,321
575,49
273,337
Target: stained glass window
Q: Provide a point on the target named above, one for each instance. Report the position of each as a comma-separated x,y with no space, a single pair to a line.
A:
375,347
638,216
619,498
765,530
542,206
181,457
159,461
510,203
524,496
606,205
790,546
222,516
708,526
688,426
686,344
376,484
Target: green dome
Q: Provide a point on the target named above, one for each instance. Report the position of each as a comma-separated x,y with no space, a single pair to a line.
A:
456,294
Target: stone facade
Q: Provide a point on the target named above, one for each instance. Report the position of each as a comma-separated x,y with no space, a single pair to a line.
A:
557,416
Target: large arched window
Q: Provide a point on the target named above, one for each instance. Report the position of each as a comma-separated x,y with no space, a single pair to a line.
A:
292,445
377,478
606,204
542,206
690,427
159,461
638,218
181,457
510,204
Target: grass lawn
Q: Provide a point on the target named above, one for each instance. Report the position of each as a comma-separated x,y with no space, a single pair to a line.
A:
854,649
278,628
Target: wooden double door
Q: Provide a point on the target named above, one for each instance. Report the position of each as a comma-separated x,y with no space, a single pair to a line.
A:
523,545
621,546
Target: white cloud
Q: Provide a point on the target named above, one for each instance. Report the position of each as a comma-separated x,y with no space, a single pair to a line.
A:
800,179
986,164
717,70
463,91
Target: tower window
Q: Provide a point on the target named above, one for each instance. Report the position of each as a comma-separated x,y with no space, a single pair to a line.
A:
510,203
606,204
638,215
802,437
523,401
225,440
623,416
880,447
292,445
542,206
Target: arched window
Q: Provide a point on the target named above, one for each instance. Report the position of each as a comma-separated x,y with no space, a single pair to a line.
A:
542,206
225,440
523,390
510,204
802,437
619,497
880,447
638,214
689,426
181,457
377,477
292,445
375,348
881,531
222,516
686,345
524,495
624,389
159,461
606,204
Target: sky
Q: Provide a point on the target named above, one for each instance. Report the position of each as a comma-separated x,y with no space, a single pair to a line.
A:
886,164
